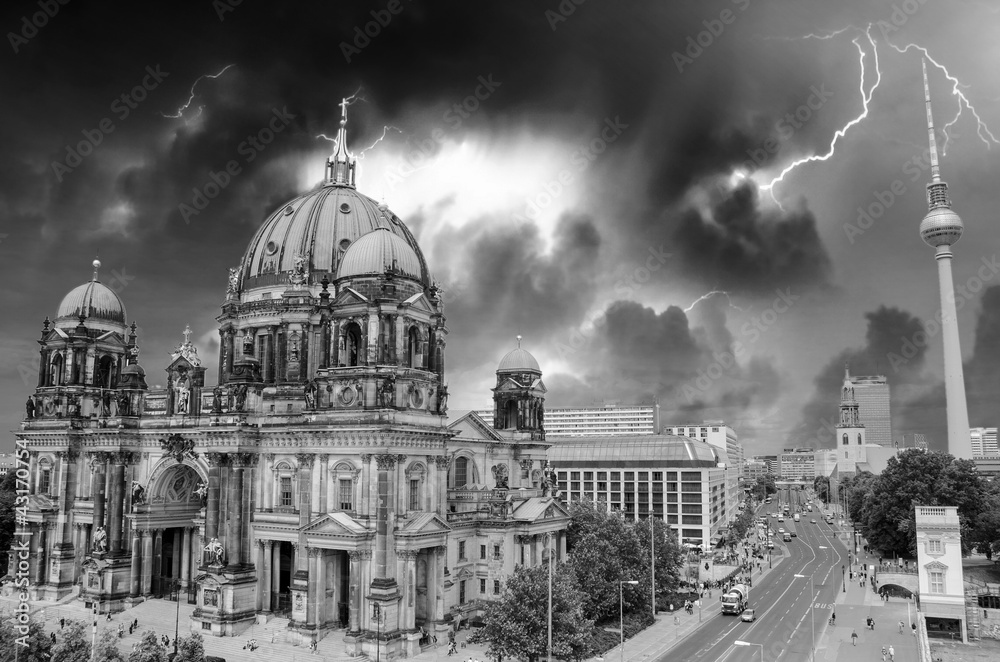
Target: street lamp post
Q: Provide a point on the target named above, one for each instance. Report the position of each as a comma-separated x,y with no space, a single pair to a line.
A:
548,540
749,643
621,610
812,615
177,616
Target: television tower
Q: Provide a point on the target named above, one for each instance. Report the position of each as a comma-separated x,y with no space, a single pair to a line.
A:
941,228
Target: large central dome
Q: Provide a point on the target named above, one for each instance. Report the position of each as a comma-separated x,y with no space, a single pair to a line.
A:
320,225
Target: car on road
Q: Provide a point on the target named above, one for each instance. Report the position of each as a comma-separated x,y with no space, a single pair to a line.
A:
794,535
787,538
781,530
781,519
812,521
770,544
748,616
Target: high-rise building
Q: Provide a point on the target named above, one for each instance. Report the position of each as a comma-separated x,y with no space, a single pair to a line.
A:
872,395
941,228
597,421
984,442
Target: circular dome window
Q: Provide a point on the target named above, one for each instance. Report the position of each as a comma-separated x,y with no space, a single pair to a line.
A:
288,210
345,208
345,244
271,248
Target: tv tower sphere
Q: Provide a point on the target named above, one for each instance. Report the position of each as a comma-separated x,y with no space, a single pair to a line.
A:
941,227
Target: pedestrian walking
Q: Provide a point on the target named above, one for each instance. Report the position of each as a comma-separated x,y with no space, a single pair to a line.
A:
892,653
53,637
854,637
62,622
901,627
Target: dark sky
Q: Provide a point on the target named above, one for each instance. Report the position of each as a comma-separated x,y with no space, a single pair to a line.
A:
577,174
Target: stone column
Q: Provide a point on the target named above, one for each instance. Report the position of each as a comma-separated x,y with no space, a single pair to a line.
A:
234,511
215,463
365,497
117,504
185,576
175,562
67,489
312,599
442,485
157,561
267,563
356,589
267,482
98,466
275,573
385,464
322,607
320,483
135,574
305,461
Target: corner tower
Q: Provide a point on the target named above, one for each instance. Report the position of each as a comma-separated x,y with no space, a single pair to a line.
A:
519,397
941,228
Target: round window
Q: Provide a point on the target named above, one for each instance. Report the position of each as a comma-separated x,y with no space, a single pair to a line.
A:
288,210
345,244
347,395
344,207
271,248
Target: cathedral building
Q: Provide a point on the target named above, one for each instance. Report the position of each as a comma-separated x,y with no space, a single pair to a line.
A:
319,480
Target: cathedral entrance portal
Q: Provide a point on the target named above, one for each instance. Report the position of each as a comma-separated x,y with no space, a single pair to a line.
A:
166,546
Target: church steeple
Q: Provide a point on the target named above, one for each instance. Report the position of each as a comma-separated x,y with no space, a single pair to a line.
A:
340,167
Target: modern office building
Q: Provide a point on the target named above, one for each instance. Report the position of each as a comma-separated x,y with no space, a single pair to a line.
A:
754,469
679,479
771,461
797,463
597,421
910,440
725,440
872,395
984,442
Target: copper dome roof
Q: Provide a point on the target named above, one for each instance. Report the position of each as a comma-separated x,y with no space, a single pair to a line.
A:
320,225
94,301
377,252
518,360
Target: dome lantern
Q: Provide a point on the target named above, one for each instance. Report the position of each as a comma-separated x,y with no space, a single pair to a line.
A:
341,167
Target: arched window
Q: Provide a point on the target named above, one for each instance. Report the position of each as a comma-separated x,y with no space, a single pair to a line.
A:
56,370
461,472
413,348
352,345
105,369
846,442
510,415
859,439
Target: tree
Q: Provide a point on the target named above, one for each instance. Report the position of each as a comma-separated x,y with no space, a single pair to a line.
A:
985,535
821,485
149,650
916,478
73,644
33,646
516,625
669,556
190,648
107,647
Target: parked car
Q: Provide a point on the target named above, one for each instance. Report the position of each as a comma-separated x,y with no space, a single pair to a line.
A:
748,616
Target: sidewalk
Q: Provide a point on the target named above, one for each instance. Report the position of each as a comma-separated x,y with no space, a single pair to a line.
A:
853,608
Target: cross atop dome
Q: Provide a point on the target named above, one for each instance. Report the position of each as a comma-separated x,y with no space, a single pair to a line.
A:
341,166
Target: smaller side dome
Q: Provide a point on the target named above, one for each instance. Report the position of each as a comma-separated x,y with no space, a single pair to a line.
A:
94,301
377,252
518,360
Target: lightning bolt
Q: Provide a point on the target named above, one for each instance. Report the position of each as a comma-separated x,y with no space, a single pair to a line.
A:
982,130
385,130
709,295
866,97
813,35
180,111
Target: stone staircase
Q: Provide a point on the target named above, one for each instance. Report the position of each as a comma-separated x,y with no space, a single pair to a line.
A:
273,638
